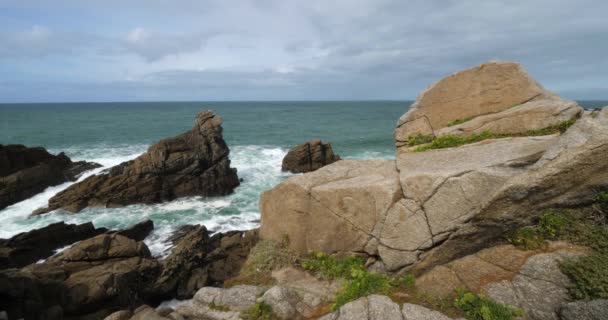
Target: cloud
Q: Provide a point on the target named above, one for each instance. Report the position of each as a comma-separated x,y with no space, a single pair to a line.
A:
282,49
155,46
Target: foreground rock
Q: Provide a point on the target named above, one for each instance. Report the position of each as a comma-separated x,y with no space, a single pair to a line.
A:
377,307
309,156
194,163
29,247
530,280
429,208
109,272
25,172
504,97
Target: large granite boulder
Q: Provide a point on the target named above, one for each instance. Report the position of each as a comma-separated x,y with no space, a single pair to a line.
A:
29,247
309,156
25,172
428,208
194,163
496,96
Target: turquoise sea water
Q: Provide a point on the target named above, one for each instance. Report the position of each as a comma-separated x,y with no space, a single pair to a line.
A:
258,134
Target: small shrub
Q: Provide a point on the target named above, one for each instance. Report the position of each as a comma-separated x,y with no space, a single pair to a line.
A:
419,139
589,275
258,311
477,307
527,238
602,198
407,281
553,224
459,121
332,268
363,283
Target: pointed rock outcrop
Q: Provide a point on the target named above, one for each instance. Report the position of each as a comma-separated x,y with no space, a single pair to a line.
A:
194,163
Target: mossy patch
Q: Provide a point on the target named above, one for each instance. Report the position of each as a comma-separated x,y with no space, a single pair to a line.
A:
264,258
459,121
589,274
479,307
258,311
419,139
452,141
214,306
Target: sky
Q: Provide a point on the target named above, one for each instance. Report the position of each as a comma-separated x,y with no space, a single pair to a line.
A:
199,50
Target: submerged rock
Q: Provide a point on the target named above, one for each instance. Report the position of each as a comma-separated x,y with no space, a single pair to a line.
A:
29,247
309,156
194,163
25,172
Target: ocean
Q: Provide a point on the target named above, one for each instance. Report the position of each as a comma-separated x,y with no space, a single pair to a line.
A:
258,134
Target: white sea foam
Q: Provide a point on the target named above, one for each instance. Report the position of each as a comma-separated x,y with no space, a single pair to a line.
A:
258,166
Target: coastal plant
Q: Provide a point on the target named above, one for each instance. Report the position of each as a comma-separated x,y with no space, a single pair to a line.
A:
459,121
258,311
330,267
419,139
479,307
452,141
217,307
265,257
527,238
589,276
361,284
553,224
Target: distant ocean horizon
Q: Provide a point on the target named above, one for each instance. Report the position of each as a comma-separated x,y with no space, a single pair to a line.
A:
258,133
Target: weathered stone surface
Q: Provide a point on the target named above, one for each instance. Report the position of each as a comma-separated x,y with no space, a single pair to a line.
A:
194,163
309,156
489,88
197,260
120,315
25,172
146,312
531,280
532,115
237,298
416,312
376,307
283,302
29,247
336,208
585,310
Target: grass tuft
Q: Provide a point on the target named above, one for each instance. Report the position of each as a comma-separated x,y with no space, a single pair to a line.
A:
258,311
478,307
452,141
459,121
420,139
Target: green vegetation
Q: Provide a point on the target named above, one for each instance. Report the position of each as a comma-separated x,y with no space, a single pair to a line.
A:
258,311
360,282
459,121
214,306
478,307
420,139
452,141
589,274
602,198
264,258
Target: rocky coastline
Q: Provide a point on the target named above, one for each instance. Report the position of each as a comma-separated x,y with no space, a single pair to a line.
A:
495,207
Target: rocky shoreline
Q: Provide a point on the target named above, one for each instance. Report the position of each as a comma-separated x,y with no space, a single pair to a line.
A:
495,207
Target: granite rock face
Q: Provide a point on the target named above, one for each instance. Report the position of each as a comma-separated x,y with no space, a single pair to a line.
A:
309,156
428,208
25,172
194,163
489,88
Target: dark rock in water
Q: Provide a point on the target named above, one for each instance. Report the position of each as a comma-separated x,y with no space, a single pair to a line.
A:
25,172
139,231
111,272
193,163
309,156
29,247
